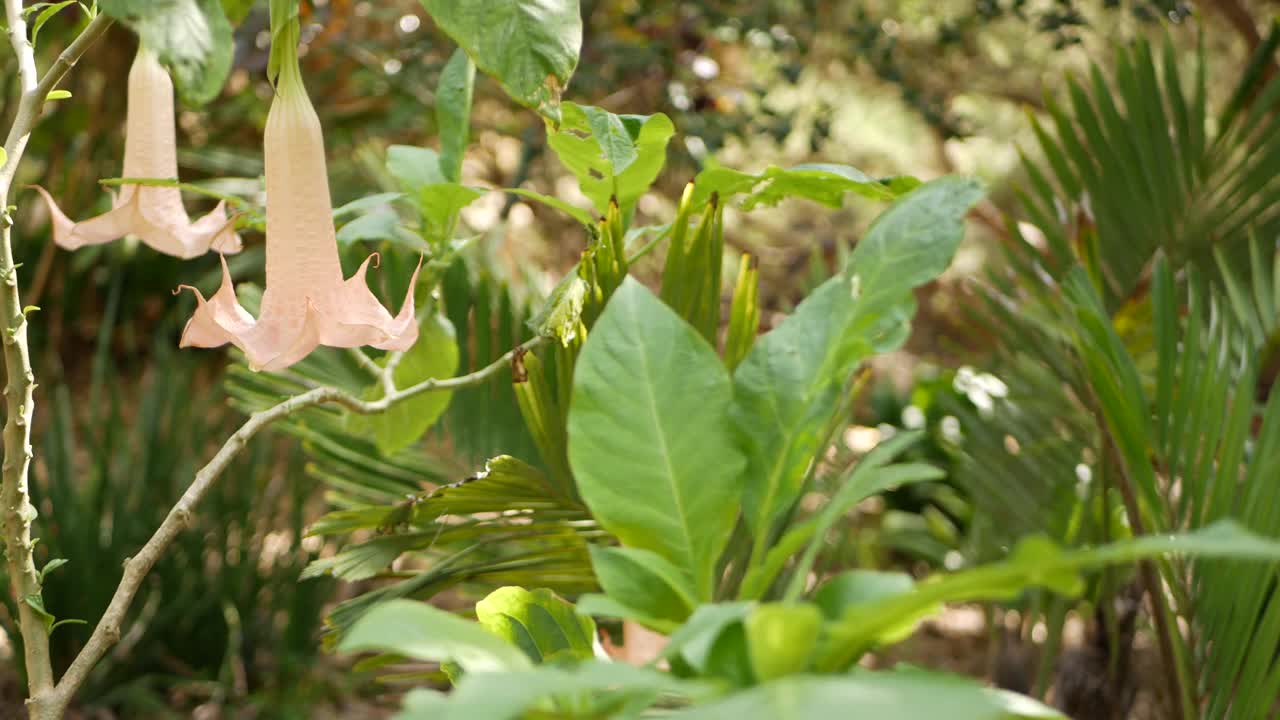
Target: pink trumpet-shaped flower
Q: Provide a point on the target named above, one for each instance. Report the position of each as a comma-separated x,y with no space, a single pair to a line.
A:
154,214
306,302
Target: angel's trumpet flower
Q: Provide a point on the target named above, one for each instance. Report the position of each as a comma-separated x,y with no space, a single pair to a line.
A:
306,302
154,214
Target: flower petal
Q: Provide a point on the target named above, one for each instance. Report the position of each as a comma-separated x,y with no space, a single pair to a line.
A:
104,228
349,317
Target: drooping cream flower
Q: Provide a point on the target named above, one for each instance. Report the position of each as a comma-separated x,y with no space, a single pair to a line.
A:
306,302
154,214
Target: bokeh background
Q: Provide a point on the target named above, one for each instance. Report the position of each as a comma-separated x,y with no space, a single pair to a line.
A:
224,627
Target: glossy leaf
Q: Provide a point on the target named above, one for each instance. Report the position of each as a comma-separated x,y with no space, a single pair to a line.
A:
648,441
509,695
530,46
644,581
539,622
418,630
611,155
787,387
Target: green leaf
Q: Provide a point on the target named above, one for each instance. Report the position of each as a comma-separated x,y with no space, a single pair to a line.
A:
823,183
648,438
611,155
237,10
540,622
361,561
192,37
911,243
434,355
440,204
36,603
787,387
378,225
861,587
509,695
422,632
855,587
644,581
617,145
572,211
415,168
1035,562
58,95
868,478
368,202
50,566
781,638
505,484
597,605
530,46
901,695
691,643
453,112
43,17
729,658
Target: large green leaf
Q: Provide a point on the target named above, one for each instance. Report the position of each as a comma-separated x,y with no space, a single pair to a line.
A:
420,631
435,355
901,695
509,695
786,389
530,46
645,582
192,37
541,623
613,156
648,440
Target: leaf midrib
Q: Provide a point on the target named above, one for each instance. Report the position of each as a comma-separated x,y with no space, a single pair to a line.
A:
664,446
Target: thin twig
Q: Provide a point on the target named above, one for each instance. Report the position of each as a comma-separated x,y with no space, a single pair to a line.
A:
107,632
19,390
366,362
